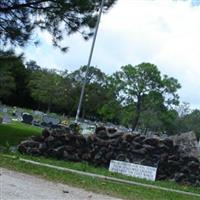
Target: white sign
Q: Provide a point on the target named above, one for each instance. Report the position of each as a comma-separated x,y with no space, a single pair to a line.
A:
135,170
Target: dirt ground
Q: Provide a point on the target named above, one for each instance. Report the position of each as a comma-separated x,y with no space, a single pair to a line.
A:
19,186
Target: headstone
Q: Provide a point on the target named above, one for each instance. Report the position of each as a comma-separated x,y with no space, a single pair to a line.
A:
36,123
51,120
1,109
18,115
5,110
187,142
6,119
39,113
27,118
135,170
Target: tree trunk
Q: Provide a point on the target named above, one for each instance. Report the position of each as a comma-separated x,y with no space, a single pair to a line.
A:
49,107
137,115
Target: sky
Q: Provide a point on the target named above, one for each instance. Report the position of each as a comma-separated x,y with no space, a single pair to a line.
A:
163,32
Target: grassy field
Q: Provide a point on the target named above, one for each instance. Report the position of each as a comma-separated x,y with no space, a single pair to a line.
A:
15,132
95,185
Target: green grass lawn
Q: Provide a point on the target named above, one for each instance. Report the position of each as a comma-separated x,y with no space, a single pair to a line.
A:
15,132
123,191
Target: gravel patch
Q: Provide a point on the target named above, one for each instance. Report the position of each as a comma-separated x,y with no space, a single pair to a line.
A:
19,186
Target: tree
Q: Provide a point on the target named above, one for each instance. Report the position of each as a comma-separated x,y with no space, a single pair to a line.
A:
183,109
19,19
94,91
7,82
95,75
145,81
32,66
192,122
189,121
13,68
111,109
48,88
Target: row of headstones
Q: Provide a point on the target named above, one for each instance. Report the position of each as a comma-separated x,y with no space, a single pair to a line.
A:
46,120
28,118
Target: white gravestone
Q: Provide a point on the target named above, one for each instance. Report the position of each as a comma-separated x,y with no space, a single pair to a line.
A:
39,113
135,170
6,119
51,120
5,110
19,115
1,109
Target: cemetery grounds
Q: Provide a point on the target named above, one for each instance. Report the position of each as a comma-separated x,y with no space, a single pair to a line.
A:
11,134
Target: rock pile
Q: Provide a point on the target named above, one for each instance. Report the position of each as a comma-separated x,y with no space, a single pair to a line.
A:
108,144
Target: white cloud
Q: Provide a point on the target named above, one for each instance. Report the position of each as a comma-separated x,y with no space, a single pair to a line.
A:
164,32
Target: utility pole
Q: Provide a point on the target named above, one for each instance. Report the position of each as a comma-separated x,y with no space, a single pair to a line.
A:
89,62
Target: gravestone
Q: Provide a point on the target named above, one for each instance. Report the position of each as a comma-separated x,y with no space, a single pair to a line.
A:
5,110
1,109
187,142
6,119
51,120
18,115
27,118
39,113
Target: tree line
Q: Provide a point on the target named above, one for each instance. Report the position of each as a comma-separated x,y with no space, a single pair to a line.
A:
138,97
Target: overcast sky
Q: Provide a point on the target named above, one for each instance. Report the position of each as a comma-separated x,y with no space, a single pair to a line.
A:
163,32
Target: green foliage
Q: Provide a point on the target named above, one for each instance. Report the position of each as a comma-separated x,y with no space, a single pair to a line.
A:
47,87
136,96
111,109
94,92
189,122
7,83
13,79
143,87
19,19
14,133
